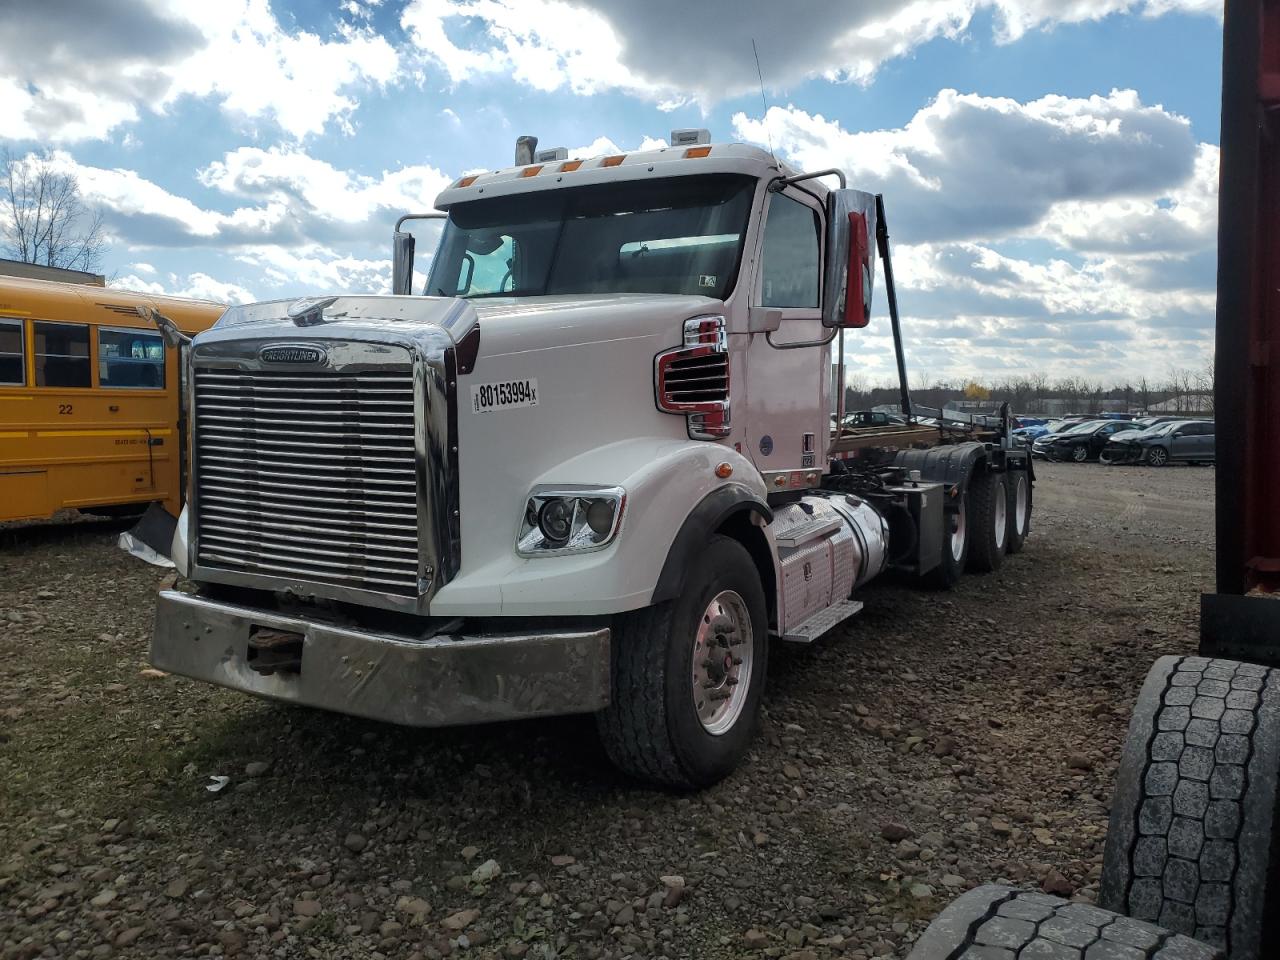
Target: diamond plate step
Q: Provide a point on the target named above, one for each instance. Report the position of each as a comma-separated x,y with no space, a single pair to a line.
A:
822,621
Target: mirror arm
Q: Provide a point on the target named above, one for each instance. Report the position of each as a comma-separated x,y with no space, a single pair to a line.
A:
420,216
168,329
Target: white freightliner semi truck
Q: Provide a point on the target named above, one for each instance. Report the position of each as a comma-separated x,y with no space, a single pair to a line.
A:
592,468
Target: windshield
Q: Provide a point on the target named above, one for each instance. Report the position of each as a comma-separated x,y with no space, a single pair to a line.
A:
1087,427
681,235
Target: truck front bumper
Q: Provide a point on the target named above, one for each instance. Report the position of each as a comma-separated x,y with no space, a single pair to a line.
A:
441,681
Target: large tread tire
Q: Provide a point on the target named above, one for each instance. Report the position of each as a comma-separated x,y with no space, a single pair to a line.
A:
1017,538
650,729
988,493
996,922
1192,841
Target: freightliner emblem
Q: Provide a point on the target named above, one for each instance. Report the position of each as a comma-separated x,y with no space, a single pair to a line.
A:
291,353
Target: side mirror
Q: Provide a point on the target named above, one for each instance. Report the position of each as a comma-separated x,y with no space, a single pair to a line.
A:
168,329
402,247
850,270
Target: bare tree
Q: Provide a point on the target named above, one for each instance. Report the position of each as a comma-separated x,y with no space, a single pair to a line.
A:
43,217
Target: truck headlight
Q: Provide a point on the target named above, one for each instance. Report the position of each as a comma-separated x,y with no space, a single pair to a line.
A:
570,520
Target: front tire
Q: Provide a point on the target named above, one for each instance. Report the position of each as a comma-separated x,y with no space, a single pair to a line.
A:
1158,456
1080,454
989,510
689,675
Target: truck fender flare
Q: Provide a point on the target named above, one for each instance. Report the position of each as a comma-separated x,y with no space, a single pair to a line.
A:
710,514
952,465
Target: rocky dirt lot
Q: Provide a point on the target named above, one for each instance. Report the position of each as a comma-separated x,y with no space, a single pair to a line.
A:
938,742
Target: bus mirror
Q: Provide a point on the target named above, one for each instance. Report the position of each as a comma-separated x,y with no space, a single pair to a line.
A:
402,245
850,268
168,329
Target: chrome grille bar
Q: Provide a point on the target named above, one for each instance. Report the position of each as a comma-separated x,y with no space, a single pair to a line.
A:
308,476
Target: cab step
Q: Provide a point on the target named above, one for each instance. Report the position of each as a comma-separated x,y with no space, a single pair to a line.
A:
822,621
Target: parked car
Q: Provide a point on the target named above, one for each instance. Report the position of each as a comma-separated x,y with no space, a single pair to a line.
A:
1191,441
1040,446
872,418
1084,442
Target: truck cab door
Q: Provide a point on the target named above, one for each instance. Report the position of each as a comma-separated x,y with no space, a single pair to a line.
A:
788,386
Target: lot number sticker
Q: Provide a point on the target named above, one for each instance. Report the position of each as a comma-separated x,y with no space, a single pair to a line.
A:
504,396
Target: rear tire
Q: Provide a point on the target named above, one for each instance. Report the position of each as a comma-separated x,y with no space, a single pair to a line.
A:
989,511
1020,506
995,921
667,721
1192,833
955,546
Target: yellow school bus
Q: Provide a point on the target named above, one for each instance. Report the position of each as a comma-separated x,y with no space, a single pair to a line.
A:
89,399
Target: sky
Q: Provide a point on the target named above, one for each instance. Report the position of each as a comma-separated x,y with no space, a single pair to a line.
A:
1049,167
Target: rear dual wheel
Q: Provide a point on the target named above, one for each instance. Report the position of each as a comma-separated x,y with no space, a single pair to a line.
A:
988,497
1019,486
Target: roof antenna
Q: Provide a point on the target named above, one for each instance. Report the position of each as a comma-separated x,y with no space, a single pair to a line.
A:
763,100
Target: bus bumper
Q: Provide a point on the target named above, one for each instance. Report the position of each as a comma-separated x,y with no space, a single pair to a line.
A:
441,681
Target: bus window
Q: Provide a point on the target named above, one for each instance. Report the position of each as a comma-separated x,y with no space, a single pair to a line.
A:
62,355
12,369
130,358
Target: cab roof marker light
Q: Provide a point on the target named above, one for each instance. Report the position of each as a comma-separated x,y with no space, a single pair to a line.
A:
570,165
531,171
613,161
467,181
694,152
690,136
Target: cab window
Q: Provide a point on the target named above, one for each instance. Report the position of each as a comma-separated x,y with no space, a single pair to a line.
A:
130,358
487,266
789,277
12,368
62,354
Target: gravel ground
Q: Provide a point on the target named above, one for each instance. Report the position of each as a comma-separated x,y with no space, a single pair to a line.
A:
937,742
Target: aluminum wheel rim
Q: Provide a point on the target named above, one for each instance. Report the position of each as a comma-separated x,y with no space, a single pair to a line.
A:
1079,454
1158,456
958,534
1020,505
1001,515
722,660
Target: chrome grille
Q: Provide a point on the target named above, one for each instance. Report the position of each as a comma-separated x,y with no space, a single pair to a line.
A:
308,475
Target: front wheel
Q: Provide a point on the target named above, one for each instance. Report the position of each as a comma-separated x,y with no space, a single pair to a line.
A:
1157,456
1080,454
688,675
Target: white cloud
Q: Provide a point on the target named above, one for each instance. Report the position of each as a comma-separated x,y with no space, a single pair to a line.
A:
973,166
60,81
288,197
197,286
671,51
313,267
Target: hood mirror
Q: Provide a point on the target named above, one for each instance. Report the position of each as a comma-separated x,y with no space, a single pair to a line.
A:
402,249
